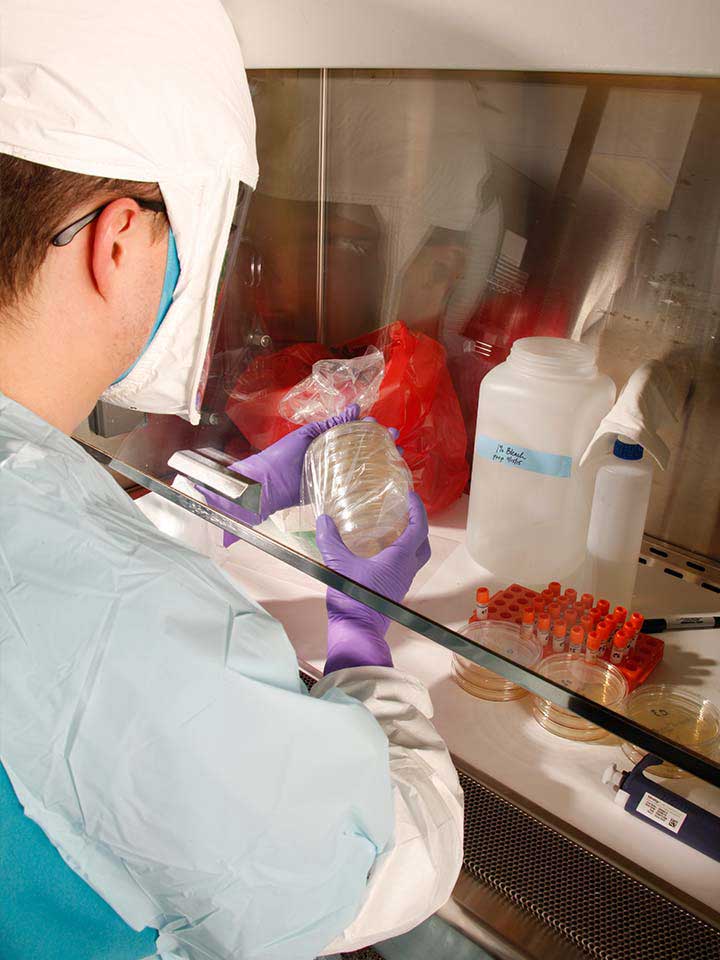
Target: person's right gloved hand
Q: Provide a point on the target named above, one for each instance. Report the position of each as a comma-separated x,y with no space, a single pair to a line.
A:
356,634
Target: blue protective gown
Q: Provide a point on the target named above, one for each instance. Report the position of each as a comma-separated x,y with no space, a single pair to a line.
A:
153,723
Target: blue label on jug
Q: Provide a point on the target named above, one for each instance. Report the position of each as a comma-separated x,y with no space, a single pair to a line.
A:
513,455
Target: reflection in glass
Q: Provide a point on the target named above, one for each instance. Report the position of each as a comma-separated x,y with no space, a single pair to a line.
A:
442,216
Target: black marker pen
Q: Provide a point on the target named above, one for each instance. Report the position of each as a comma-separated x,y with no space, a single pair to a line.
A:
682,621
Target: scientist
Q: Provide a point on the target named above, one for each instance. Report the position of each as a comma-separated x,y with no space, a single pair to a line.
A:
167,787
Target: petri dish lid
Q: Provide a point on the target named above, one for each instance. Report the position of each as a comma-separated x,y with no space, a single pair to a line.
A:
506,639
675,713
598,681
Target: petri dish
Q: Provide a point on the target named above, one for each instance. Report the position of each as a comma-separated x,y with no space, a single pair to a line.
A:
683,717
500,637
355,474
599,681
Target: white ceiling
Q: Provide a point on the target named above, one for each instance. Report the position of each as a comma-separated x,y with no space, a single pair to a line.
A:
626,36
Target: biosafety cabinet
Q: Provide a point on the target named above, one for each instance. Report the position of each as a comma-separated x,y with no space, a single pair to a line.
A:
439,180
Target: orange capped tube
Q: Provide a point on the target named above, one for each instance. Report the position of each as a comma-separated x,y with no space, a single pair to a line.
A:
620,612
543,629
555,588
587,600
482,601
555,612
528,622
592,647
559,631
636,621
571,595
603,632
586,623
577,639
604,607
620,643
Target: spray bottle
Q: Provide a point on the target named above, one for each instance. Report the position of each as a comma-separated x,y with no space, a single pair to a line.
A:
617,521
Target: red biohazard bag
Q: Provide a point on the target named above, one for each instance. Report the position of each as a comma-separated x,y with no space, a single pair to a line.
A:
254,400
416,397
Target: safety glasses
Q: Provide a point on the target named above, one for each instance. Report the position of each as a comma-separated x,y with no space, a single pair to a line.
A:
69,233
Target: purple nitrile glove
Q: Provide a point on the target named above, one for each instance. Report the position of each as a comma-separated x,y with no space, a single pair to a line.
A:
356,634
279,469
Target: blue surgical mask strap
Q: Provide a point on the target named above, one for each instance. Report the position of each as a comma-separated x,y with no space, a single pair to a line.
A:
172,275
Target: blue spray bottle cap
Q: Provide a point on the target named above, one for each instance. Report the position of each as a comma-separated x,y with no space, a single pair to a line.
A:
625,449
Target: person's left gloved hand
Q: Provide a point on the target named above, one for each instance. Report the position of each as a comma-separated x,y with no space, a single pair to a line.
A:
279,468
356,633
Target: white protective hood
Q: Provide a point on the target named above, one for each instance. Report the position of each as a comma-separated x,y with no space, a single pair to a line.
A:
149,90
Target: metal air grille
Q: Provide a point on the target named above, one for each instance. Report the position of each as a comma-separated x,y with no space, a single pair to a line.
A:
367,954
598,907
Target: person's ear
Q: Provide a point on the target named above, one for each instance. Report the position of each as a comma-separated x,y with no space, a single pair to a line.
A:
118,228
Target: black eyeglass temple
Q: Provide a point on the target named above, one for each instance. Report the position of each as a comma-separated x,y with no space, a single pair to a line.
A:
67,234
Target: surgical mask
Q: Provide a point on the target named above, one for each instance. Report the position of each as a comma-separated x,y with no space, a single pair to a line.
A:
172,275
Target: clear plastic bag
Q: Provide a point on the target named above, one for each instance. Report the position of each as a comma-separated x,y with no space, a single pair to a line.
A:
416,397
334,385
355,474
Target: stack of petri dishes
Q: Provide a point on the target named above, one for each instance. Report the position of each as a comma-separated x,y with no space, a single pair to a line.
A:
355,474
678,715
598,681
500,637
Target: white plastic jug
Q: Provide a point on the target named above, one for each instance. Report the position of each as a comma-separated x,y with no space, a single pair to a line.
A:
529,500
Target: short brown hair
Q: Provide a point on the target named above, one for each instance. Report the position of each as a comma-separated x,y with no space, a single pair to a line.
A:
35,203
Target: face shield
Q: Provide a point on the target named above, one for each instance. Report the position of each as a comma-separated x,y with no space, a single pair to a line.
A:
232,330
177,362
184,121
